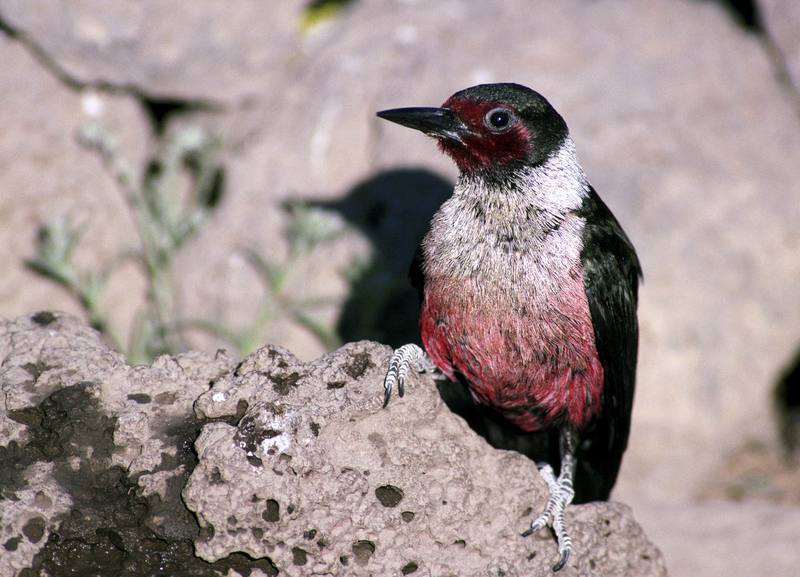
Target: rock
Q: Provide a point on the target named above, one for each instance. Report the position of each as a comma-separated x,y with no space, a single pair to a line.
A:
297,469
737,539
316,477
93,471
216,52
26,512
47,174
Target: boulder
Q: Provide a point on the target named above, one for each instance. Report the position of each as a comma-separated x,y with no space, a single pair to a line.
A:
217,52
283,466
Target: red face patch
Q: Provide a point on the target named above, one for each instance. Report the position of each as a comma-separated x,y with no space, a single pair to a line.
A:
485,146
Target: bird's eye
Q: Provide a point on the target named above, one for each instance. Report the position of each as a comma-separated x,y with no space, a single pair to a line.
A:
498,119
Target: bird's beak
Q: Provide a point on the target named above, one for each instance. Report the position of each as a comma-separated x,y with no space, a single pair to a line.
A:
436,122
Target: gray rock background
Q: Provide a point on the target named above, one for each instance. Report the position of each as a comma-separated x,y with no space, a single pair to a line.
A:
686,122
291,468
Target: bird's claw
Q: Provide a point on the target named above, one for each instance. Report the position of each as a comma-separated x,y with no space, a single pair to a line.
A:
561,495
401,362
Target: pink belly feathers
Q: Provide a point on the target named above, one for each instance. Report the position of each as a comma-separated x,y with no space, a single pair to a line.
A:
532,359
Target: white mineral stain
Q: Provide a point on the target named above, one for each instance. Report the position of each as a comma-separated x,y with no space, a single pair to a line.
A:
283,423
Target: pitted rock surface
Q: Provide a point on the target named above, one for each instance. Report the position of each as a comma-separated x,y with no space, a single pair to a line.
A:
320,479
298,471
94,454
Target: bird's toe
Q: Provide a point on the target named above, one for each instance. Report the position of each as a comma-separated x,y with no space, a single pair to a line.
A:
403,359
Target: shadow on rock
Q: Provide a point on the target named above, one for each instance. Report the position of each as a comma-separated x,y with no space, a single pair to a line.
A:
393,209
112,528
787,405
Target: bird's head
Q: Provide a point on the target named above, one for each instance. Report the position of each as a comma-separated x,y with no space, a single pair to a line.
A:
490,127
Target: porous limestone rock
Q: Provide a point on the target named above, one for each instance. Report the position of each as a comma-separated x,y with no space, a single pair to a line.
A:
94,453
322,481
297,470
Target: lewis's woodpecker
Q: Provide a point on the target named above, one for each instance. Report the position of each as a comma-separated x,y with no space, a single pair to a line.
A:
528,290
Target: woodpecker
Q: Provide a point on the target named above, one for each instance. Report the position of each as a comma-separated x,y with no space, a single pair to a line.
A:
528,292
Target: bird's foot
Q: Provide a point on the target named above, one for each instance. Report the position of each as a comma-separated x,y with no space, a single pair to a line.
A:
561,494
404,359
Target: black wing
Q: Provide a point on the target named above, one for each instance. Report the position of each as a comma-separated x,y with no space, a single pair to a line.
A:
611,275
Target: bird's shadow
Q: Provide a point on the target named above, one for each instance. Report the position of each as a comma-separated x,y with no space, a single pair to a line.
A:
393,210
787,408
